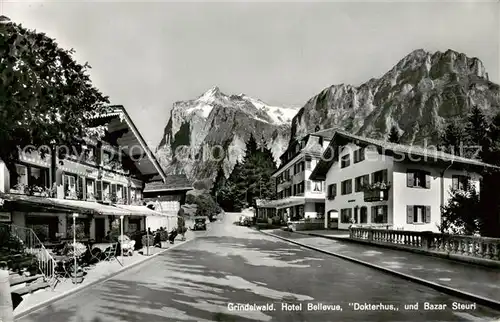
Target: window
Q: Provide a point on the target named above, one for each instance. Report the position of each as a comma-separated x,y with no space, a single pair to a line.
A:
346,215
363,215
39,177
418,178
320,210
301,211
106,191
89,153
332,191
308,164
345,161
360,182
70,186
20,177
317,186
346,187
379,176
418,214
90,186
359,155
106,157
460,182
379,214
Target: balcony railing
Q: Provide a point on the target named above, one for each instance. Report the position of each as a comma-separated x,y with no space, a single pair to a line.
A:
378,191
482,248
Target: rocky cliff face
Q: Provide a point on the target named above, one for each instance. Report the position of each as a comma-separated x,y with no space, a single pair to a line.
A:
416,95
198,130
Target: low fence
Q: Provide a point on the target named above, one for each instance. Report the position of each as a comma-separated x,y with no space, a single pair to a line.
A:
469,248
307,224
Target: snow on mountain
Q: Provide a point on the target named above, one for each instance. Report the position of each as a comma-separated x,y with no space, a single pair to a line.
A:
217,119
278,115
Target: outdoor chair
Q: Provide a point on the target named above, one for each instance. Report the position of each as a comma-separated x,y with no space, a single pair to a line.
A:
111,252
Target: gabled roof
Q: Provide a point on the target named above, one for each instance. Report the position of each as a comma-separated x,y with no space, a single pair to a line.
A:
121,112
171,183
429,155
312,148
325,133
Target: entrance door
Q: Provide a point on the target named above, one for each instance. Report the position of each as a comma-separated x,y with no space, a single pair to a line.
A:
100,229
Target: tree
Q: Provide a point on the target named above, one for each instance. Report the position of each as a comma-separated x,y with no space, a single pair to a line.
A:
477,126
466,212
249,180
46,97
453,138
394,135
461,214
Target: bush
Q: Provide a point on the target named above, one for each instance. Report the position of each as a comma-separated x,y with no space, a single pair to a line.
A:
163,235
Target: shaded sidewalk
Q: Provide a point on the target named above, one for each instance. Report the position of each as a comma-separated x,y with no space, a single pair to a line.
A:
466,278
98,273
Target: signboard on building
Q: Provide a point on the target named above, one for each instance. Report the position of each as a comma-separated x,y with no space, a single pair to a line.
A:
5,217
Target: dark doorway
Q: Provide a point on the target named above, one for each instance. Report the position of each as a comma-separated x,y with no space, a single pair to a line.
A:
100,229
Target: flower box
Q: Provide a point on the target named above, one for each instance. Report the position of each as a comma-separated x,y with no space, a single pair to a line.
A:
378,191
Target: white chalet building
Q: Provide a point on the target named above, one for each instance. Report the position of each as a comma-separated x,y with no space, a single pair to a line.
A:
302,199
376,183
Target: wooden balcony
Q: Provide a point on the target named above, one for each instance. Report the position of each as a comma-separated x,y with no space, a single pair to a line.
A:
376,195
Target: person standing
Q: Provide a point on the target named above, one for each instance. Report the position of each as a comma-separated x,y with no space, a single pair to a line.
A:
181,224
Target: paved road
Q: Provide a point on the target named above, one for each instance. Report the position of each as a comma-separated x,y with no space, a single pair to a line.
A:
229,264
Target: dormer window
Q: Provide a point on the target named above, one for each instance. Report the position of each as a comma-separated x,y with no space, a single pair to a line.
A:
320,141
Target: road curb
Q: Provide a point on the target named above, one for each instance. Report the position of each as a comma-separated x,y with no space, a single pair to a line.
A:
445,289
80,288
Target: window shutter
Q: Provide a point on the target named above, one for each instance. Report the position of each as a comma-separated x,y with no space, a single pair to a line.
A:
81,193
334,189
125,194
427,214
427,180
373,177
113,190
59,177
409,214
98,185
374,213
349,186
65,183
308,185
454,183
384,175
410,180
385,212
362,154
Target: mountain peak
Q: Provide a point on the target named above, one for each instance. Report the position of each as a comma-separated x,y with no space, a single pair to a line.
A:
210,95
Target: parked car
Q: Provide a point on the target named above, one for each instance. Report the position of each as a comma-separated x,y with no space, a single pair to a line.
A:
245,220
200,223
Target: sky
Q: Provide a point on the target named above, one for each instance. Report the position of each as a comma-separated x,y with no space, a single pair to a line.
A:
148,55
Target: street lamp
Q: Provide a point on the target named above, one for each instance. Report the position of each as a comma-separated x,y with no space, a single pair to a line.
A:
74,246
121,236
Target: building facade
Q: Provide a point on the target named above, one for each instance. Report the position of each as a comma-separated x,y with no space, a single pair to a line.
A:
299,198
380,184
101,179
